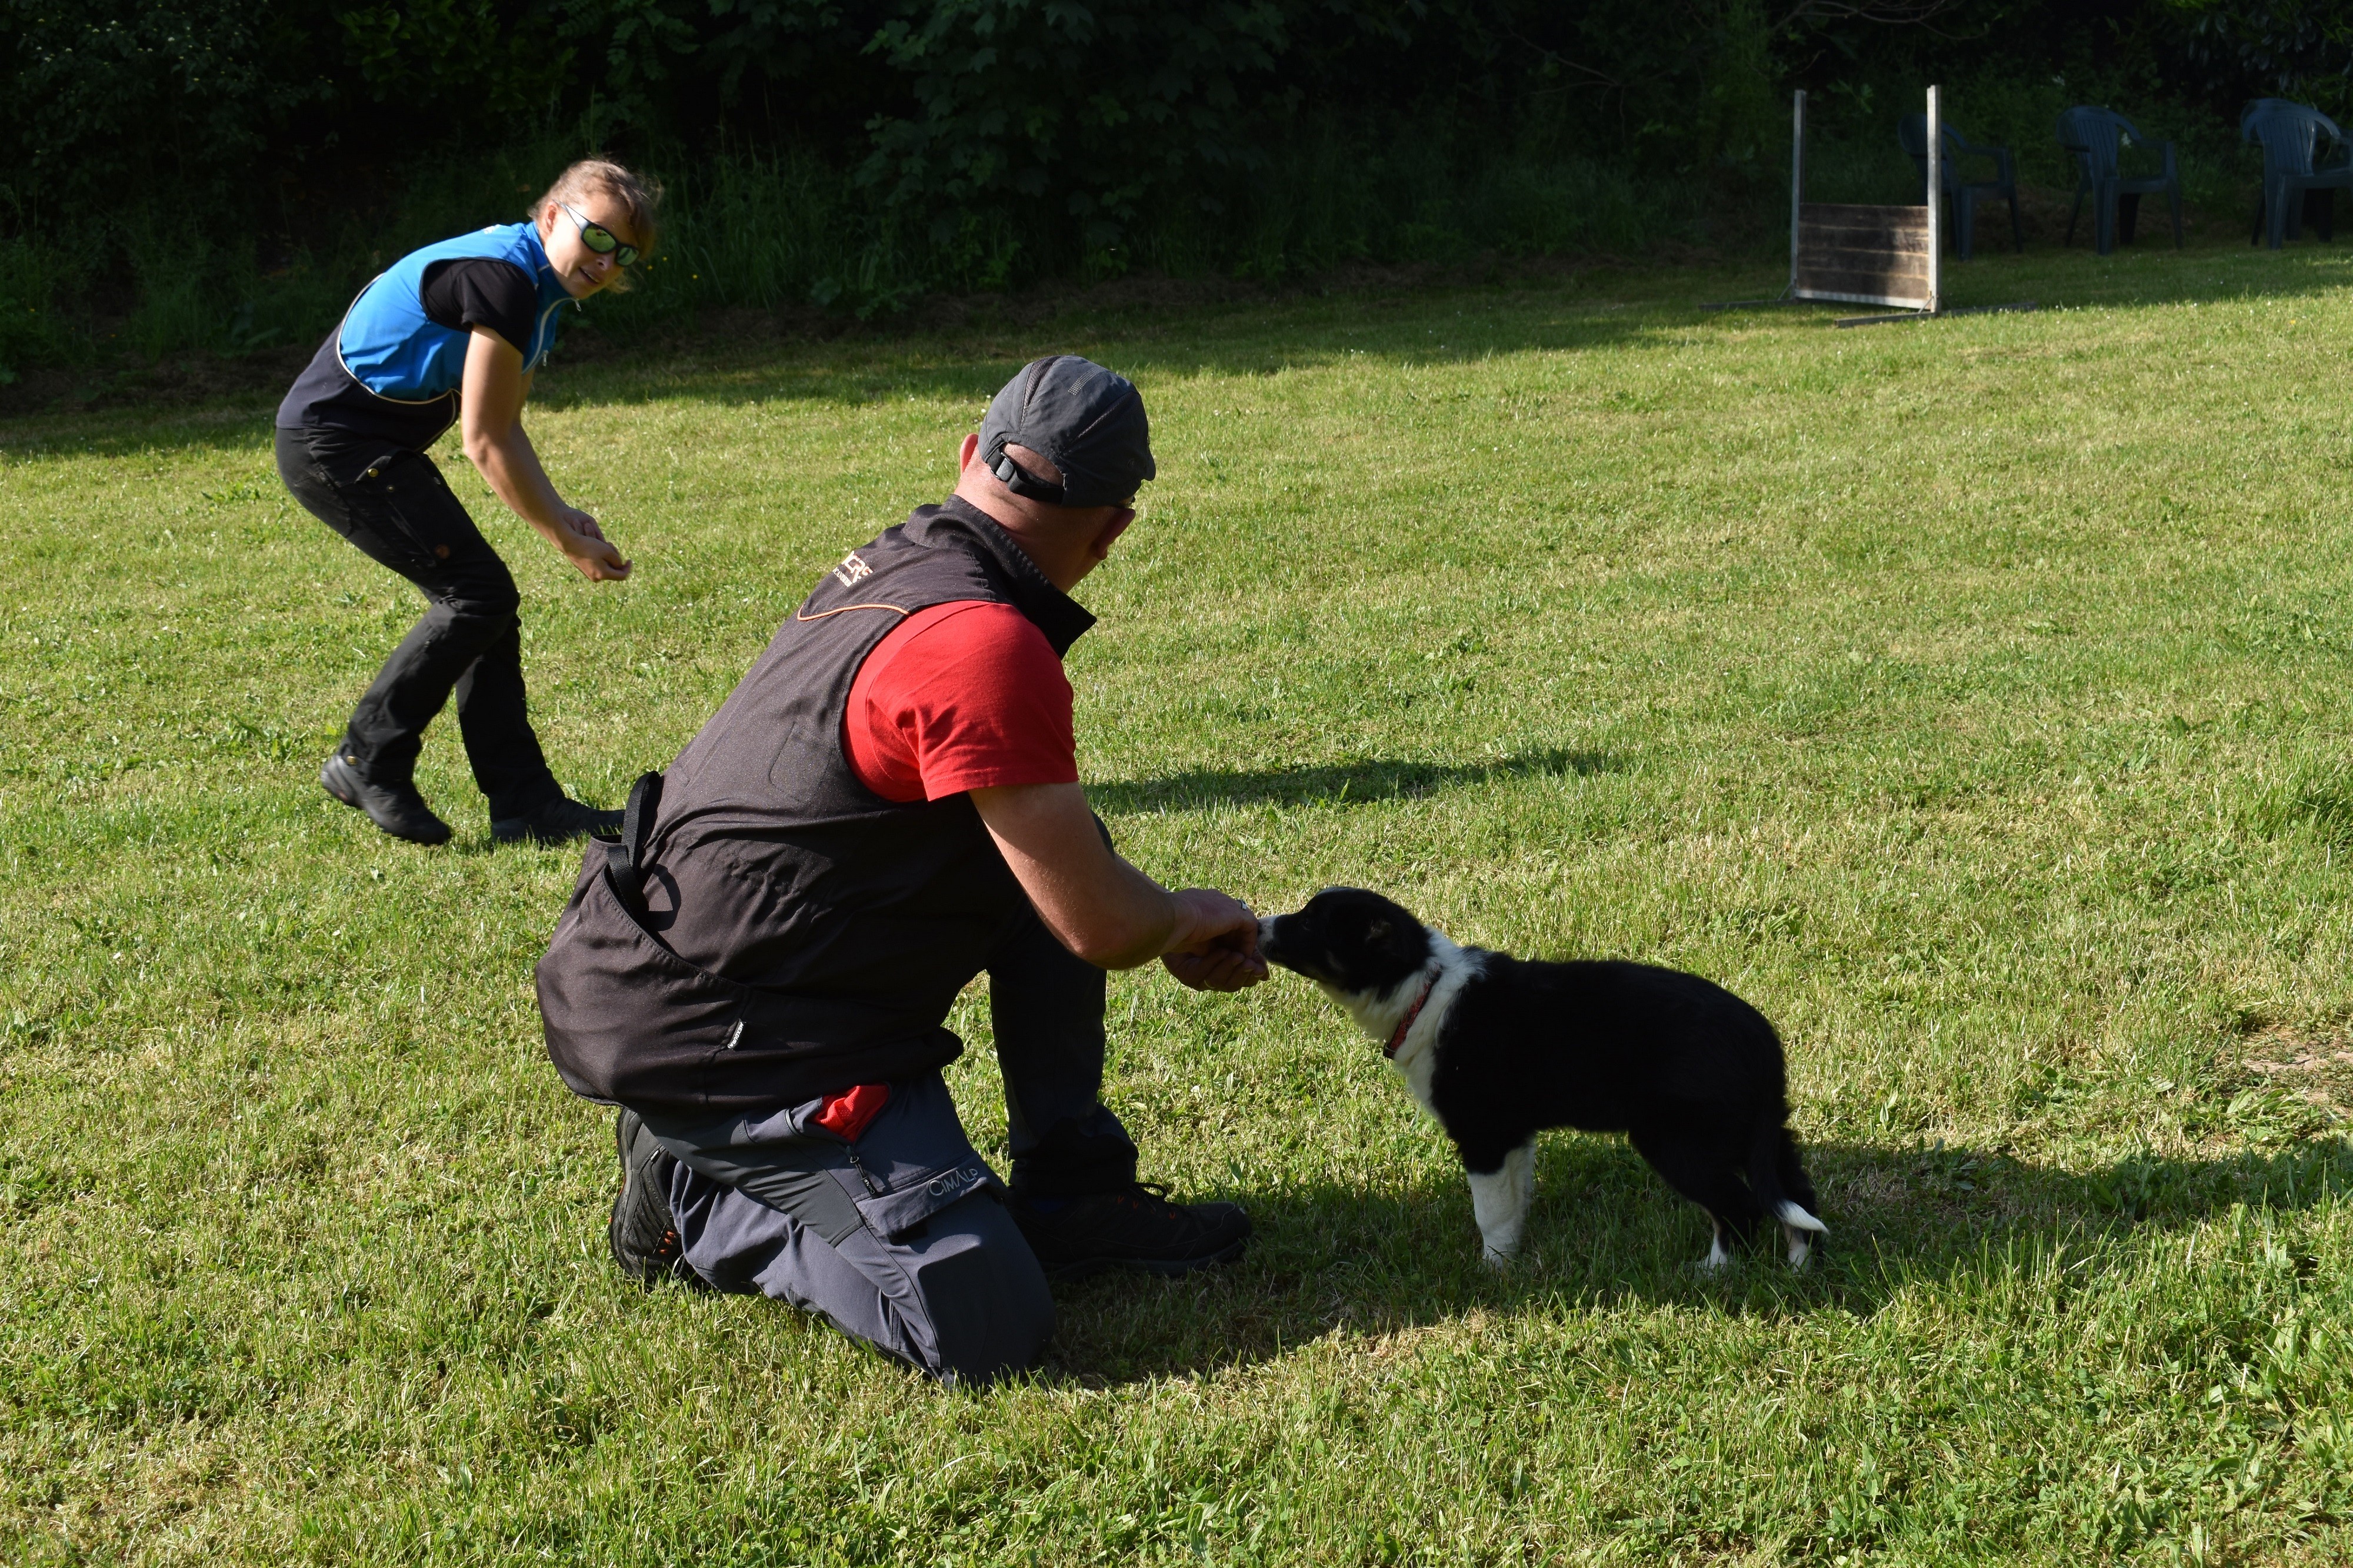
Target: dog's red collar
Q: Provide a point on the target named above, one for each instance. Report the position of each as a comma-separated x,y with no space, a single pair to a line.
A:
1389,1051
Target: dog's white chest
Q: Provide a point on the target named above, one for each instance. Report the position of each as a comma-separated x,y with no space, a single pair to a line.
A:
1416,1063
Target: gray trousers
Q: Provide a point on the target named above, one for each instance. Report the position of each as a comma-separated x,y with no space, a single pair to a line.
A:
902,1239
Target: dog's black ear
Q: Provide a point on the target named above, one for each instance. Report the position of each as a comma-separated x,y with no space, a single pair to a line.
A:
1376,932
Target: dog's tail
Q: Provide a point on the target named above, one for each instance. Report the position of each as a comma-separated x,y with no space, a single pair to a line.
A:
1774,1171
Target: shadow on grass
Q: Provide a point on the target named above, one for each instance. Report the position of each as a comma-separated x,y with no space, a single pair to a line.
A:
965,362
1606,1230
1335,783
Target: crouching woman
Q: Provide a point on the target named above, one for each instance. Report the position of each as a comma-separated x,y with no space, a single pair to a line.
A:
453,333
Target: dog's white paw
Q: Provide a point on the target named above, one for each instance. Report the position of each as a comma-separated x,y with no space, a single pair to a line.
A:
1799,1228
1496,1262
1717,1257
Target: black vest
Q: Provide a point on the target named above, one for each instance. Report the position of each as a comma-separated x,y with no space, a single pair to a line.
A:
796,932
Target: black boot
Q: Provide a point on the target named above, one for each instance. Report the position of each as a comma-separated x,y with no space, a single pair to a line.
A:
1132,1227
643,1235
555,821
398,809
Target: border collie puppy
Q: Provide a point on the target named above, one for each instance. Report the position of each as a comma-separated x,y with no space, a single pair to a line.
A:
1499,1049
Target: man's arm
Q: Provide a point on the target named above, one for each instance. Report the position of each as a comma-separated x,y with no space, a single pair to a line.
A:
1104,910
491,404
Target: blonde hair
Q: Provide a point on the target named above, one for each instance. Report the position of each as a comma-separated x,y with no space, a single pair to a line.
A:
638,194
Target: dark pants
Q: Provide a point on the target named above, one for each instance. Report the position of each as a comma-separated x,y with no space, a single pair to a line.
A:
393,504
902,1239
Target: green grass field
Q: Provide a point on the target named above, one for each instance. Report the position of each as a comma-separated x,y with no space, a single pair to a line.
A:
1971,696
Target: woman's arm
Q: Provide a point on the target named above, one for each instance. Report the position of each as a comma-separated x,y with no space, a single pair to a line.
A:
490,406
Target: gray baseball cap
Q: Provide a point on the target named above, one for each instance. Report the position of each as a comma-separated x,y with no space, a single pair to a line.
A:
1083,418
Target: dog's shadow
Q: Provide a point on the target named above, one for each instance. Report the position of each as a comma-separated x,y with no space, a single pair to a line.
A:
1365,782
1327,1257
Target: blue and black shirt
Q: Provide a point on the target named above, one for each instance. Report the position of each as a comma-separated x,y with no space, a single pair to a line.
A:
391,369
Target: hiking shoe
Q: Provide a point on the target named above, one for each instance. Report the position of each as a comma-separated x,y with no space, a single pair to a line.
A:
643,1235
1133,1227
555,821
398,809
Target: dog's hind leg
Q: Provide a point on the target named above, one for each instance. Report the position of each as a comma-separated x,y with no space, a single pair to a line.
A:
1781,1183
1695,1167
1798,1188
1499,1201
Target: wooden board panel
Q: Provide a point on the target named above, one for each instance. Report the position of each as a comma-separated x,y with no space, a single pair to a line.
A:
1812,274
1870,279
1868,255
1814,239
1827,260
1892,221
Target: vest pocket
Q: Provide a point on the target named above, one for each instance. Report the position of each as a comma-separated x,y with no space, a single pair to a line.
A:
624,1017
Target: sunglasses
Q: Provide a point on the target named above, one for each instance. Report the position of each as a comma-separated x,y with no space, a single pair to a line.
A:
600,238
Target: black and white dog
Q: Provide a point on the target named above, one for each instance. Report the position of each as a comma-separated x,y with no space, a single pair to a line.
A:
1499,1049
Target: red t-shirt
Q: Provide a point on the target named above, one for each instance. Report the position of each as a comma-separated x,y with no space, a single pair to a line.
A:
964,695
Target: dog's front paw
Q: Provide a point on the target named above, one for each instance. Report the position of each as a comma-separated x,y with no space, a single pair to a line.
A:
1496,1262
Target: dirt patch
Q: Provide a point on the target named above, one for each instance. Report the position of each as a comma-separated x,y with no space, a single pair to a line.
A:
2314,1065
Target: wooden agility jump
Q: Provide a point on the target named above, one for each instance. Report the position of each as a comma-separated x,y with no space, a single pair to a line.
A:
1847,253
1840,251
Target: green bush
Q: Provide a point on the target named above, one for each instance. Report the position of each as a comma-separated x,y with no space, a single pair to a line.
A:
32,326
221,173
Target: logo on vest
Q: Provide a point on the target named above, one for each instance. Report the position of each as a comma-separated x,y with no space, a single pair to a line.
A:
851,571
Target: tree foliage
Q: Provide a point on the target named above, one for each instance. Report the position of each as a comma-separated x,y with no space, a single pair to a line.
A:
1086,117
2290,48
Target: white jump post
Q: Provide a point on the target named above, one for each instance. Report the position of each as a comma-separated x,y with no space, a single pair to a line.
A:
1935,200
1796,180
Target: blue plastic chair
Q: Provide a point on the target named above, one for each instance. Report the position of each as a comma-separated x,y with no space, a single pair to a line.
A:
2097,137
1964,195
2291,135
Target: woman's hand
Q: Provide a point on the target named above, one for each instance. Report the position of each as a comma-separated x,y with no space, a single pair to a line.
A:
585,545
491,414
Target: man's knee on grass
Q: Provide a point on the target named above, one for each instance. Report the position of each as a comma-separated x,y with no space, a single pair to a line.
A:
987,1313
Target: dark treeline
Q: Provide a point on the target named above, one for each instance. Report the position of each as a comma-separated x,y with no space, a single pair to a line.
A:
220,174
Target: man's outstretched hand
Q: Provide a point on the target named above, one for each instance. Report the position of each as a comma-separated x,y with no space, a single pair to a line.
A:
1216,944
1104,910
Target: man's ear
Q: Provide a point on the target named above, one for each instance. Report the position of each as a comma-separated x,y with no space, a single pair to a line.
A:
964,452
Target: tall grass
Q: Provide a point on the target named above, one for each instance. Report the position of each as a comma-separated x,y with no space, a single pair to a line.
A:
784,229
32,277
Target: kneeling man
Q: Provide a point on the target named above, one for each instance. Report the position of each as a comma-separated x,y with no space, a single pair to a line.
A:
888,805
